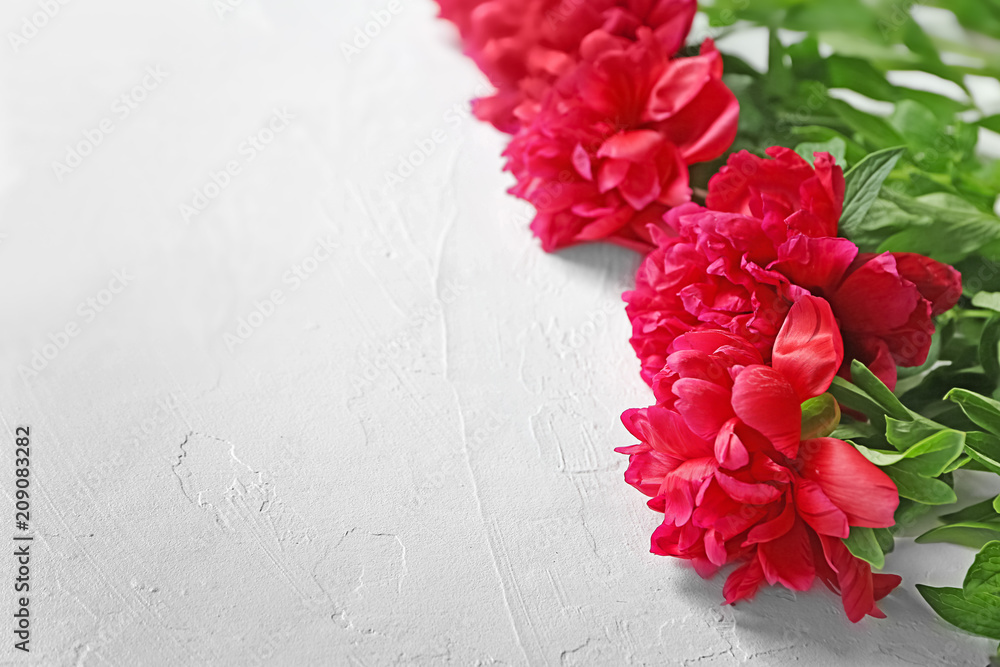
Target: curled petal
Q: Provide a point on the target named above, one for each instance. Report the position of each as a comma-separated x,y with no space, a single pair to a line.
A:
855,581
744,582
819,511
809,350
854,484
765,401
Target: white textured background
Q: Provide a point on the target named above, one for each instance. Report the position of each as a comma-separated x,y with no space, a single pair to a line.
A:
410,460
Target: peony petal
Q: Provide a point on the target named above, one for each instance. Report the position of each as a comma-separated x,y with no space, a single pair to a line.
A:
788,560
715,548
746,492
679,84
766,402
705,406
818,264
938,283
730,451
638,146
667,432
883,584
874,353
744,582
819,511
808,350
854,579
641,187
611,173
581,162
706,127
775,528
854,484
875,298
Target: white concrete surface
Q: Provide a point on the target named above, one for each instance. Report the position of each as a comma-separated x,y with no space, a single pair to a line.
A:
410,460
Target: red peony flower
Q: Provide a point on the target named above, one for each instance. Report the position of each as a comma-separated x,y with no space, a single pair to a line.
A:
771,240
722,457
606,154
524,45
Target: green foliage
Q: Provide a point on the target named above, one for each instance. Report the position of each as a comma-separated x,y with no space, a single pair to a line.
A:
799,98
975,607
863,543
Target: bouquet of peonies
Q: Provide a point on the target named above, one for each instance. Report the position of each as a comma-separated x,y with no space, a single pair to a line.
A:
819,370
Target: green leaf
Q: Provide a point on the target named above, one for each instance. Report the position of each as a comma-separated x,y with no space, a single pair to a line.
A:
991,123
928,458
836,147
851,430
989,348
779,76
886,541
854,398
996,504
861,76
819,134
958,464
863,544
872,128
820,416
864,182
978,614
884,220
932,456
921,489
880,457
972,534
983,511
984,575
984,449
987,300
871,385
916,123
985,412
905,434
959,229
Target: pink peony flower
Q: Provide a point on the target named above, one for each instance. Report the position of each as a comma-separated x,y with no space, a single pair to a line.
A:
606,154
774,240
721,456
524,45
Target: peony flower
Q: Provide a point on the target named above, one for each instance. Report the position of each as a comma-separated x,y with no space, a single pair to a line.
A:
607,152
771,240
722,457
523,46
